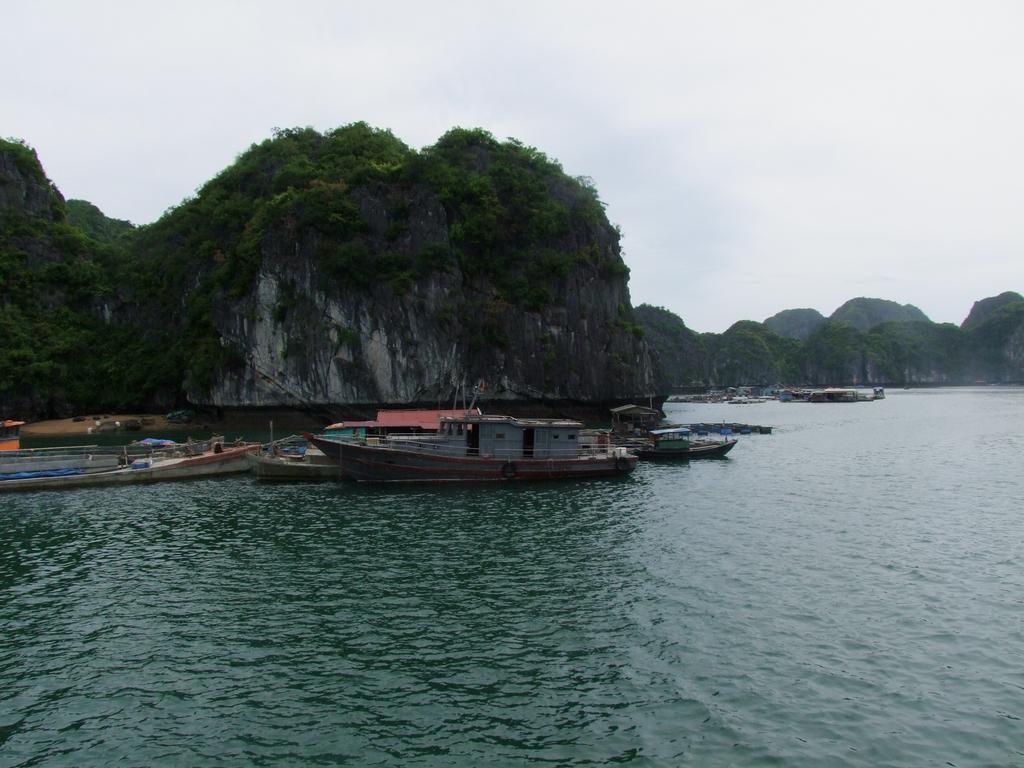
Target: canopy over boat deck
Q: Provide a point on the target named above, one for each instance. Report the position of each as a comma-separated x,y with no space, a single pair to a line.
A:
632,418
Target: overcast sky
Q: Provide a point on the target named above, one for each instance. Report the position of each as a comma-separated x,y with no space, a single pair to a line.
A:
757,156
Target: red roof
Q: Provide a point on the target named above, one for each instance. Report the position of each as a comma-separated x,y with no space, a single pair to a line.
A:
406,419
423,419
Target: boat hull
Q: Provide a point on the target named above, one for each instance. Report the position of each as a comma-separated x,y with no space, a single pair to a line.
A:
710,451
378,464
228,461
277,468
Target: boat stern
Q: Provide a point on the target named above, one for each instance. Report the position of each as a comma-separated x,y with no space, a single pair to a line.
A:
10,435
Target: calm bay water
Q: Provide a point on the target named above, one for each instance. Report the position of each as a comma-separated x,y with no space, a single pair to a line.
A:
848,591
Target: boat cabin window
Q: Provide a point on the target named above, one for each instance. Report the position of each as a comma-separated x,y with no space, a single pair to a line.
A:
499,435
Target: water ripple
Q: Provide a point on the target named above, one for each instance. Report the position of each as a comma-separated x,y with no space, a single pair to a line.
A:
847,592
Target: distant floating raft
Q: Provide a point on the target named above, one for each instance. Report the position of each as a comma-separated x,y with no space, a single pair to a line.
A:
728,428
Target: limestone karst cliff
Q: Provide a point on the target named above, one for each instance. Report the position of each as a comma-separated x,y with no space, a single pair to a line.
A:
346,269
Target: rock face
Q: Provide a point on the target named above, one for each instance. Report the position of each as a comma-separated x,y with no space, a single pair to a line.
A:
864,314
302,343
473,262
24,188
328,273
680,359
795,323
994,336
984,309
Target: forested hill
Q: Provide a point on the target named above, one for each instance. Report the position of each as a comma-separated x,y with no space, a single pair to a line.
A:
92,221
989,347
334,269
795,323
986,310
57,345
864,314
344,270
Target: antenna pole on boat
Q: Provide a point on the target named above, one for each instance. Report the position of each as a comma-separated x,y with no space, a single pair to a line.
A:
477,389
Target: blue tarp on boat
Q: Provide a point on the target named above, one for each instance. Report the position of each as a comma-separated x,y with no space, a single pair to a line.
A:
40,473
155,442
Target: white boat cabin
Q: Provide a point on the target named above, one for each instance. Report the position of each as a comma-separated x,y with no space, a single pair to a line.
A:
484,435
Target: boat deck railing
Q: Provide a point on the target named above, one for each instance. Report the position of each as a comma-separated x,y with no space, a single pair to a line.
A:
127,453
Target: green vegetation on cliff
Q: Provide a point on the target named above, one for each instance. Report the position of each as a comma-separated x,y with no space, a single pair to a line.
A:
352,214
748,351
864,314
513,225
996,342
678,352
984,309
795,323
55,346
891,352
91,220
311,248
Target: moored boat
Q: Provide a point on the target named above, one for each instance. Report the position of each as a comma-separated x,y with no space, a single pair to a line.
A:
475,447
404,421
311,464
845,395
678,443
834,395
184,464
10,434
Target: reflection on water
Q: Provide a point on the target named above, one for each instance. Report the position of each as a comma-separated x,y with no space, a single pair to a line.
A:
846,591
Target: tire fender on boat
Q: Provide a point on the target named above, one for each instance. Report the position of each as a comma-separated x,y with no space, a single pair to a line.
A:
622,464
508,470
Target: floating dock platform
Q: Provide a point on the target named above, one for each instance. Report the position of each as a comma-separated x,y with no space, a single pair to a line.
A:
728,428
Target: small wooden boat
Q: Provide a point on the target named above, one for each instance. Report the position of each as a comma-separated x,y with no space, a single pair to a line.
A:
310,465
475,448
178,465
676,443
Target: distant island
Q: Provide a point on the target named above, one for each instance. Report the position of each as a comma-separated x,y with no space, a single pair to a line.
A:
332,273
866,341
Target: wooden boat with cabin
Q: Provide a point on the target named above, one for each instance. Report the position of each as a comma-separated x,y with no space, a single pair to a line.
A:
676,443
288,460
474,447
